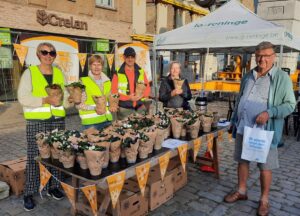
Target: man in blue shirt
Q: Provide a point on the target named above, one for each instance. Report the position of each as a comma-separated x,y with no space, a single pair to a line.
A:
266,97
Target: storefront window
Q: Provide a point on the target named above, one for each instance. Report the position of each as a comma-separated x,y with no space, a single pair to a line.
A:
105,3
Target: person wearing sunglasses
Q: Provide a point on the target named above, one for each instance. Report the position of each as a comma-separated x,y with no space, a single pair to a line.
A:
42,113
96,84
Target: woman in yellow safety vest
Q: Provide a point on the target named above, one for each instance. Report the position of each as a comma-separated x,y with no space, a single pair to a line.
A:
96,84
43,113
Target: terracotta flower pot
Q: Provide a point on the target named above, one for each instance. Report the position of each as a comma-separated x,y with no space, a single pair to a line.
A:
106,152
100,102
95,161
140,88
68,159
54,150
131,153
81,159
113,103
44,148
194,129
115,151
206,122
176,128
75,94
178,83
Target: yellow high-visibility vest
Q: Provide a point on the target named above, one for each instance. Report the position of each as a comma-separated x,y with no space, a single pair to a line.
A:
89,117
39,84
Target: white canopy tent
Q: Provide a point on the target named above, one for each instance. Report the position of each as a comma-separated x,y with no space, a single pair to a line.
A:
230,28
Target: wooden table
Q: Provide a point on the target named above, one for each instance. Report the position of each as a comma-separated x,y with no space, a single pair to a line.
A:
78,174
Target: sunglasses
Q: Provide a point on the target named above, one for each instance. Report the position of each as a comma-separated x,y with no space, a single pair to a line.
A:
51,53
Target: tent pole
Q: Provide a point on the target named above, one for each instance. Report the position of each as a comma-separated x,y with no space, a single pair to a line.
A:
154,77
280,56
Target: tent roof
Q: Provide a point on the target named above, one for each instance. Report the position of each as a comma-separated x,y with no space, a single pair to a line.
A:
231,28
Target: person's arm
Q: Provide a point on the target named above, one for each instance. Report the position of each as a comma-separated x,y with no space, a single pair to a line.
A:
164,92
288,102
186,93
25,92
114,88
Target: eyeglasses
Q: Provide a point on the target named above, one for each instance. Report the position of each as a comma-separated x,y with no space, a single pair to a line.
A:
51,53
264,56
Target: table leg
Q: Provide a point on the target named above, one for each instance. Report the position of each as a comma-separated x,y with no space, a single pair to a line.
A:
75,184
105,203
216,157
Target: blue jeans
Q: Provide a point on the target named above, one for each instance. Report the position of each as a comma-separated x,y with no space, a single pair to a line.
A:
97,126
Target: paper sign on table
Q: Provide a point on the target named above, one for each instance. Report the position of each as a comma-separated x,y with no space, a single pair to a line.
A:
142,173
197,145
45,175
115,184
182,151
163,164
172,143
91,194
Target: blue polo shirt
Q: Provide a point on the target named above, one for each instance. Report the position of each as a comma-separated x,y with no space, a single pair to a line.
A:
254,100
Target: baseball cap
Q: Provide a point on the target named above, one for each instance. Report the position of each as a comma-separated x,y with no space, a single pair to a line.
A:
129,51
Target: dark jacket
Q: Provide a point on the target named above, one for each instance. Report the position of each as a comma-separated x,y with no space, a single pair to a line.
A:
178,101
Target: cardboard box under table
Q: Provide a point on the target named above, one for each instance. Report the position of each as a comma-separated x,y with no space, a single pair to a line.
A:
13,173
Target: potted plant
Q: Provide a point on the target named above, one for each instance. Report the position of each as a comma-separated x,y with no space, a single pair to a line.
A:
163,129
206,121
80,156
114,102
75,90
115,147
44,147
67,156
100,102
193,125
55,91
55,139
130,144
140,88
95,158
144,145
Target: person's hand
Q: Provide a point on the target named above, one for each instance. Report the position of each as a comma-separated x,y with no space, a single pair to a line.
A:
134,97
99,111
262,118
176,92
52,100
113,109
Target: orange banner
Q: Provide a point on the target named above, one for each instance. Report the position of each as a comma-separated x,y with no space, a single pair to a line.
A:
163,164
115,184
21,52
209,139
82,60
142,173
230,137
110,60
91,194
45,175
63,60
0,43
220,136
70,192
197,145
182,150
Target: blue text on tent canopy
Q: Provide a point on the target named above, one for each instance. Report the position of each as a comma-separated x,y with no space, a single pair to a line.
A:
221,23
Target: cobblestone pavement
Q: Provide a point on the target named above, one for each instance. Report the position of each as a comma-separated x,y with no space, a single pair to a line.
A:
203,195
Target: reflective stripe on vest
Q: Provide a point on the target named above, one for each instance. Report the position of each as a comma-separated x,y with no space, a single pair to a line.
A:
39,83
123,82
89,117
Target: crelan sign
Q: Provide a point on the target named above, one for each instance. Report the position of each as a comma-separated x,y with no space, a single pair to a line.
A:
52,19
